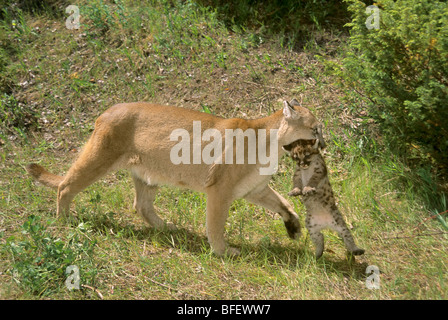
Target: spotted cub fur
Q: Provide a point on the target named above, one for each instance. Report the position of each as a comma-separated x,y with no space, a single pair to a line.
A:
311,182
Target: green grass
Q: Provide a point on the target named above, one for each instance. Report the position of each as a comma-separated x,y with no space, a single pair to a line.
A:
57,81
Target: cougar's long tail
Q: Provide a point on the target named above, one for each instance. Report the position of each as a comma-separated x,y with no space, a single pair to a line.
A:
43,176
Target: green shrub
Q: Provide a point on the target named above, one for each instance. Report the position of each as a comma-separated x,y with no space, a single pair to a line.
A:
401,70
40,260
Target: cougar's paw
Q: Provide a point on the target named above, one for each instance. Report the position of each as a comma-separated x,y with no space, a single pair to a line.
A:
293,227
170,226
226,251
165,226
232,252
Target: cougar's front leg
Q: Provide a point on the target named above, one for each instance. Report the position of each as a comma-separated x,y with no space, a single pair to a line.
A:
273,201
218,205
143,203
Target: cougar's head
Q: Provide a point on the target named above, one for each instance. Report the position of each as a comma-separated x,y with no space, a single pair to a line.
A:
299,124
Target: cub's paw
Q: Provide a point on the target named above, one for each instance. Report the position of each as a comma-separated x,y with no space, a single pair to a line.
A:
319,252
295,192
358,252
309,190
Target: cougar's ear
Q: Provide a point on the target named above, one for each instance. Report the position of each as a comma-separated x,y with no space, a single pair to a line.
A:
294,102
288,112
320,137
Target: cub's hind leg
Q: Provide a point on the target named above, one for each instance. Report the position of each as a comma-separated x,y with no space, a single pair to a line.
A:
349,242
143,203
340,227
319,220
314,227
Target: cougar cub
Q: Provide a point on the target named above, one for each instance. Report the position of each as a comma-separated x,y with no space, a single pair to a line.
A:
311,181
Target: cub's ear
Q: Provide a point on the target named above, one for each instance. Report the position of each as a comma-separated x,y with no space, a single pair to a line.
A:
288,112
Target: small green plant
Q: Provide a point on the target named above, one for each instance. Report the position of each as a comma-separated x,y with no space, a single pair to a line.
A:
206,109
15,116
40,260
102,18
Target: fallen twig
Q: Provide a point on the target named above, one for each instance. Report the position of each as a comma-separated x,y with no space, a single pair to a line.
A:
163,285
94,289
417,235
429,218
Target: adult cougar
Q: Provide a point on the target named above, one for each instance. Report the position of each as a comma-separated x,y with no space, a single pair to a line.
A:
139,136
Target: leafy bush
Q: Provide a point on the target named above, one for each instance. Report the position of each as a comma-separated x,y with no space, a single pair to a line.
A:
401,70
40,260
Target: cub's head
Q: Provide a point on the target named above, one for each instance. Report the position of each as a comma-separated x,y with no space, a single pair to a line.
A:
302,151
299,123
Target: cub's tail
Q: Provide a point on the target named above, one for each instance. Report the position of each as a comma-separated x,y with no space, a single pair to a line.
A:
43,176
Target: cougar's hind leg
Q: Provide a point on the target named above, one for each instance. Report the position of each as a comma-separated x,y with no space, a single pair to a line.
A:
143,203
91,165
